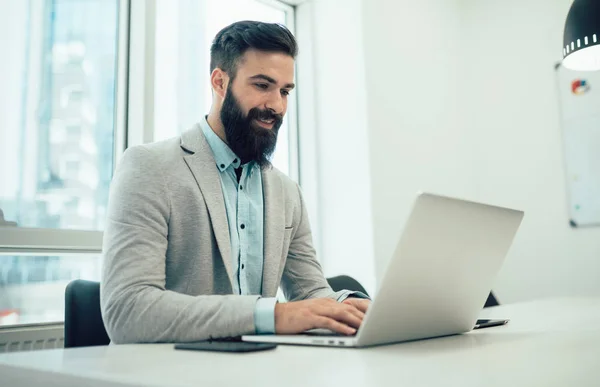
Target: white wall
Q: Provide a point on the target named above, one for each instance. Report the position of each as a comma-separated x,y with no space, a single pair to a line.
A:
413,109
460,100
334,136
510,105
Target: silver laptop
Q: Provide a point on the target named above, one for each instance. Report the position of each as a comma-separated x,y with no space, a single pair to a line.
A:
438,279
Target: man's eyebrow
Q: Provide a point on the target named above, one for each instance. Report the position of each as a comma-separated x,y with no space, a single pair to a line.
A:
271,80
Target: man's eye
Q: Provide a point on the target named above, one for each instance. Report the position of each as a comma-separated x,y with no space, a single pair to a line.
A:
285,92
262,86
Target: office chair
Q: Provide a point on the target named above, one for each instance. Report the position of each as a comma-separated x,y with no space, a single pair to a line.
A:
491,301
345,282
83,320
342,282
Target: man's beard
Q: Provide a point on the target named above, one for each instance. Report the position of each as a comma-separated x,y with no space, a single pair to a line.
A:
247,140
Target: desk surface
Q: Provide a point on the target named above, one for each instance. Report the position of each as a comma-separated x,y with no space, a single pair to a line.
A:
547,343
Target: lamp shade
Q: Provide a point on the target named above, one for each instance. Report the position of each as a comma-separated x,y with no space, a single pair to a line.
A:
581,41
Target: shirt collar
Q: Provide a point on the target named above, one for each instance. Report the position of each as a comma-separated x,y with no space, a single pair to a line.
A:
224,156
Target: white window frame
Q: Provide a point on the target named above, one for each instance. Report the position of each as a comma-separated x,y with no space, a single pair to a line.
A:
140,122
292,112
134,124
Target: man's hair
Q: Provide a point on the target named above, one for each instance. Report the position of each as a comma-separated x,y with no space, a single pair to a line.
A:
232,42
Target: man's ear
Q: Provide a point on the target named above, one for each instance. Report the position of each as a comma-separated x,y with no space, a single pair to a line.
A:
219,81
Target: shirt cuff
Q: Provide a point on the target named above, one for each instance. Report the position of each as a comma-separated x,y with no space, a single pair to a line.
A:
348,293
264,315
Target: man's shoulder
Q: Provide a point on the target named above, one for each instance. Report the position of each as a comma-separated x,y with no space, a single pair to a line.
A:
159,152
162,147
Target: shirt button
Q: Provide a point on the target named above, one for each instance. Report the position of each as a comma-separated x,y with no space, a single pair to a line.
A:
222,165
243,266
243,226
235,161
241,187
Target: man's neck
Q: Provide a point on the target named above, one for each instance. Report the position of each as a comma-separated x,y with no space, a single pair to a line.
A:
214,121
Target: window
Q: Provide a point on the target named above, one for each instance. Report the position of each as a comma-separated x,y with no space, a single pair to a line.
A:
69,103
70,171
32,288
73,132
44,85
57,103
184,33
71,94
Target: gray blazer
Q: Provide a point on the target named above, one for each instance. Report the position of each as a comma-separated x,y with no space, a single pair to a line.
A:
164,275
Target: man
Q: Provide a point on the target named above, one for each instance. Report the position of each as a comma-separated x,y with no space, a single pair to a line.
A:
202,230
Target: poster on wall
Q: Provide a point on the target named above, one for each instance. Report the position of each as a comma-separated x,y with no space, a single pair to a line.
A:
579,95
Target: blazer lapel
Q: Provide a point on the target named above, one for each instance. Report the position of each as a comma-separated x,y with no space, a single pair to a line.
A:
201,162
274,225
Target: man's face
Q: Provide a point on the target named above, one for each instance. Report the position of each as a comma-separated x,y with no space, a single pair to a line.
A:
255,104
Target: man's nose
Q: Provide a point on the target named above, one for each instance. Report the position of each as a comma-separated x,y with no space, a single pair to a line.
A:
275,104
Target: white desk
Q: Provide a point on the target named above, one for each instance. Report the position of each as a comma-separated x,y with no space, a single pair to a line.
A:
547,343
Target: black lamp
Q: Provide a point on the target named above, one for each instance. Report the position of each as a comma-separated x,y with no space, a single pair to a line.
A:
581,42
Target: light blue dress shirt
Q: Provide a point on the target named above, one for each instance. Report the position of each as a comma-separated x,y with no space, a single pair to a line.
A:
244,207
244,204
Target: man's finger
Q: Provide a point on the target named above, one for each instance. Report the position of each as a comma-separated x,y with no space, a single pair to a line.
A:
341,313
354,310
331,324
359,303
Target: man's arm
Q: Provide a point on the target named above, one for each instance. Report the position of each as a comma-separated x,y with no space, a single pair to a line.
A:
136,307
313,304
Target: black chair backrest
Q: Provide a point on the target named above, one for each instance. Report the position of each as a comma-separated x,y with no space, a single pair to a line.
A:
83,320
491,301
342,282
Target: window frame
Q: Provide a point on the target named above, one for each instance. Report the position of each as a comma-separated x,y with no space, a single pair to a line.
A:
134,125
140,118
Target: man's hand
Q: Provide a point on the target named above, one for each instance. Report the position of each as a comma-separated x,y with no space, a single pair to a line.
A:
300,316
361,304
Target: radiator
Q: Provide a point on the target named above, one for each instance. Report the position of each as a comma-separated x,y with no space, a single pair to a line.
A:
31,337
